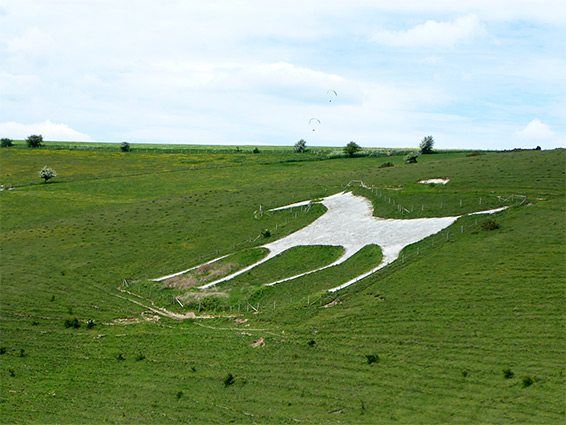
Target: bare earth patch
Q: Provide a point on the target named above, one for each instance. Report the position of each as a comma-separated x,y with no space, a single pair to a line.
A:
260,342
199,276
434,181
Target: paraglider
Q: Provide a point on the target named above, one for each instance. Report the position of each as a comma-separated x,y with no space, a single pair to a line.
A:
332,94
314,122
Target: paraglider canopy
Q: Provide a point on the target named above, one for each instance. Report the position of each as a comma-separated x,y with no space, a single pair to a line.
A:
314,122
331,93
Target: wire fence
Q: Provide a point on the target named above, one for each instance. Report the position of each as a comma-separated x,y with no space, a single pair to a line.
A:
511,200
463,226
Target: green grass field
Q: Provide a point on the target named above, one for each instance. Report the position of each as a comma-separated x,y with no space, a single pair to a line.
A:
469,328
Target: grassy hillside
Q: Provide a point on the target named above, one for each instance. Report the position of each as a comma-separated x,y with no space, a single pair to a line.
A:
470,330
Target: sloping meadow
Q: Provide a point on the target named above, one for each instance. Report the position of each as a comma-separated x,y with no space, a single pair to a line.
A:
466,327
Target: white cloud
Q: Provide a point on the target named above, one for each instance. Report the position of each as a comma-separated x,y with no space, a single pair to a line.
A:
535,130
32,41
49,131
433,34
15,86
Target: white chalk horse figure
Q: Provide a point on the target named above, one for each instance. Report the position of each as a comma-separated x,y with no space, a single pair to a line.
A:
349,223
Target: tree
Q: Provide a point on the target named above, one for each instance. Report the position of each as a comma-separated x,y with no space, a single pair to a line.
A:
300,146
47,173
125,147
34,141
426,145
351,149
411,158
6,143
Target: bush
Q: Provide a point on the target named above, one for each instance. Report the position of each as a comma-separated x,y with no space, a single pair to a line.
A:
351,149
386,164
426,145
3,350
47,173
411,158
34,141
125,147
490,224
527,382
120,357
6,143
372,358
22,353
508,373
256,150
266,233
228,380
140,357
90,324
311,343
300,146
72,323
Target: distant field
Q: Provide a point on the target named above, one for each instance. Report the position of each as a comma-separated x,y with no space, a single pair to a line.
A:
467,328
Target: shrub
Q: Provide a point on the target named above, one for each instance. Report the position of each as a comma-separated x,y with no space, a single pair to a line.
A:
22,353
47,173
266,233
179,394
256,150
490,224
465,373
120,357
125,147
311,343
140,357
527,382
411,158
34,141
300,146
72,323
372,358
6,143
3,350
228,380
12,372
351,149
426,145
386,164
90,324
508,373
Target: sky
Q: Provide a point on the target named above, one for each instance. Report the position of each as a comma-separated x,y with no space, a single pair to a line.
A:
474,74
